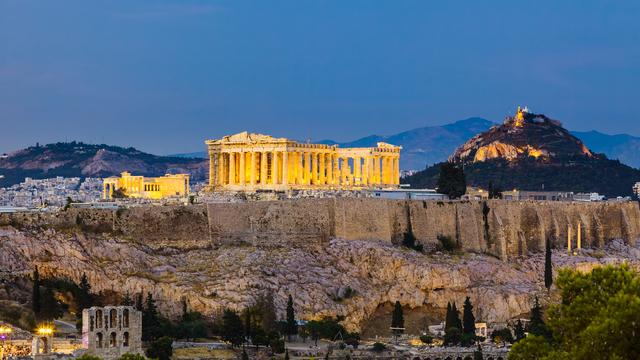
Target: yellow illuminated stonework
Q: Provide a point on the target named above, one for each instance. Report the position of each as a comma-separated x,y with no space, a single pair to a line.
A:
248,162
147,188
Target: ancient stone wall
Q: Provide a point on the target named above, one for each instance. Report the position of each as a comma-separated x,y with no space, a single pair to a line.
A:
501,228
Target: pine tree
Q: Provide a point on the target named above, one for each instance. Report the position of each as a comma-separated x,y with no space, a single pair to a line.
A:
519,330
548,271
453,326
126,301
537,325
232,327
292,327
469,321
452,180
36,300
397,319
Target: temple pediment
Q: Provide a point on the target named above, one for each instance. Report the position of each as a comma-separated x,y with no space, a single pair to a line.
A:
384,145
247,137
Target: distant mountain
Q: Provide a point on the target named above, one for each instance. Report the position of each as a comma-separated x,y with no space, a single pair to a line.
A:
533,152
623,147
427,145
76,159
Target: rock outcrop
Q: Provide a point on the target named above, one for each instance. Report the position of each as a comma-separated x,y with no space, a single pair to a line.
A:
227,255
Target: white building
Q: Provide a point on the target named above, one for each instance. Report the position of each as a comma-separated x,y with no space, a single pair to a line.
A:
636,189
408,194
588,197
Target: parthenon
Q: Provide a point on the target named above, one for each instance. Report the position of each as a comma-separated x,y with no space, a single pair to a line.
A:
249,162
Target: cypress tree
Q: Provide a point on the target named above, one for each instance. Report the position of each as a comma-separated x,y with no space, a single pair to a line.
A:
469,321
50,308
537,325
139,302
548,271
150,321
455,317
292,327
519,330
36,300
447,319
397,319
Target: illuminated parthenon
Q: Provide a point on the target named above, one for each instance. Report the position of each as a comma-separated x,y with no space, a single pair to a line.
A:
247,162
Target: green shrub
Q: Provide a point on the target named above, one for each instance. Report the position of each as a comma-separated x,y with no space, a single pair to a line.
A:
447,243
379,347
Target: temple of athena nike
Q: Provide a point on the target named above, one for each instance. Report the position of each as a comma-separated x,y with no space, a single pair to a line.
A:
249,162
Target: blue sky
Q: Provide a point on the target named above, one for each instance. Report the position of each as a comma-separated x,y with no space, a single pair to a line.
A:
165,75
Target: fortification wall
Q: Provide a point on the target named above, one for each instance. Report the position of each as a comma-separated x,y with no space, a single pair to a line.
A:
502,228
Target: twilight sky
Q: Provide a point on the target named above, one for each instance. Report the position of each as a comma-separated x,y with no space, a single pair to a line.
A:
165,75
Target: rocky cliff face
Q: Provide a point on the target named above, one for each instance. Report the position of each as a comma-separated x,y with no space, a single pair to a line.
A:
226,255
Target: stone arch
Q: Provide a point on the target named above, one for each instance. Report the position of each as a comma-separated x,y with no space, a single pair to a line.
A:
125,339
125,318
113,318
113,340
459,358
416,358
98,319
99,340
500,358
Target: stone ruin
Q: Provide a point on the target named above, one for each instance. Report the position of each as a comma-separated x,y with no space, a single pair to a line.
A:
111,331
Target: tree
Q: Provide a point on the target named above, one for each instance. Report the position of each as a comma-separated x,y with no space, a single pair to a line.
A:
469,321
267,309
150,320
286,355
127,301
88,357
192,325
161,349
494,191
50,307
533,347
537,325
130,356
84,299
397,319
453,326
36,300
596,318
452,181
469,324
477,355
232,327
245,356
292,326
548,271
139,302
503,336
426,339
519,331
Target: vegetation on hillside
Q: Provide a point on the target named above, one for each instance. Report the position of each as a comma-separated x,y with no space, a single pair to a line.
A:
598,317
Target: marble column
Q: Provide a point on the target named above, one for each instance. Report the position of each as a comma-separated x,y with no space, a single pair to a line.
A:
243,168
344,171
314,168
365,171
264,168
275,170
329,167
300,168
232,168
322,162
357,170
285,167
221,168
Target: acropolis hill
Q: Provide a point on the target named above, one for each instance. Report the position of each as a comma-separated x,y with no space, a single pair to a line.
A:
225,255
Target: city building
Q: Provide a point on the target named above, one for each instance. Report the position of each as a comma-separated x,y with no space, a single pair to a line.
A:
135,186
588,197
537,195
408,194
112,331
51,192
249,162
636,189
474,193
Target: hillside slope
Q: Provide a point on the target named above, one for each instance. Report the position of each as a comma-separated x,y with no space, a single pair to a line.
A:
533,152
76,159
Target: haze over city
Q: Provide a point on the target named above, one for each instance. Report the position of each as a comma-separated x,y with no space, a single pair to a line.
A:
163,76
